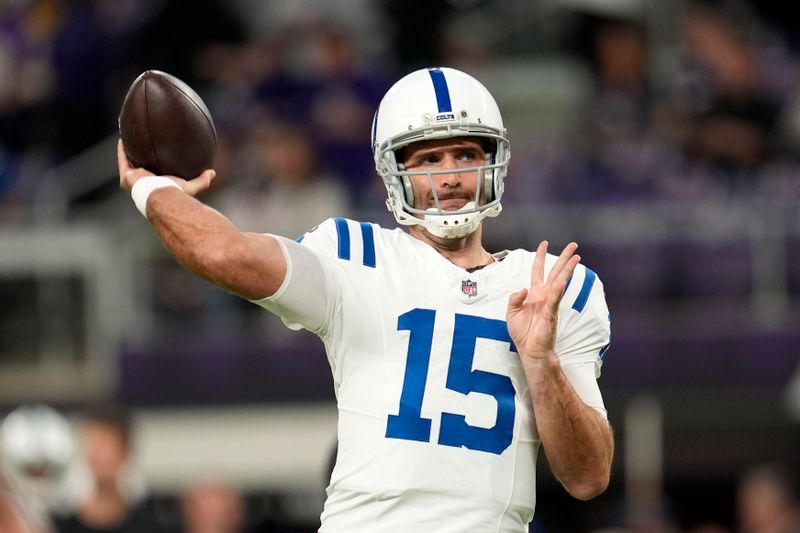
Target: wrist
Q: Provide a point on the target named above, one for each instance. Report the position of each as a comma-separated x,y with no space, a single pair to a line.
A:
540,361
144,187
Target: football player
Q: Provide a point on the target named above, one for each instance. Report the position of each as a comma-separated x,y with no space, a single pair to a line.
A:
452,365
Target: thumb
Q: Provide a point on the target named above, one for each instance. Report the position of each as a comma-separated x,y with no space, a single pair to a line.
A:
201,182
517,299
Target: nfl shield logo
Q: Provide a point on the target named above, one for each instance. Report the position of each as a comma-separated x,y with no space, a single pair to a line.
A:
469,287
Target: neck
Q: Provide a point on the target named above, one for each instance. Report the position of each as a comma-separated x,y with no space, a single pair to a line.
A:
465,252
106,507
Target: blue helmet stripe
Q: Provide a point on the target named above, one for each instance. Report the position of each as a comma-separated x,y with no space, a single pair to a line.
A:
441,90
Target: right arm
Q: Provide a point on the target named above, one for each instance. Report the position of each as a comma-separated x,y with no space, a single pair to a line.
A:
204,241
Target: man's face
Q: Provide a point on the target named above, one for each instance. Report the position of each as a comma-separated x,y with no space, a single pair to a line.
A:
106,452
454,189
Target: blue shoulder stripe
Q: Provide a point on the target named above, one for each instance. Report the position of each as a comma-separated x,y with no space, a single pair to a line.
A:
583,296
369,244
367,238
603,351
343,234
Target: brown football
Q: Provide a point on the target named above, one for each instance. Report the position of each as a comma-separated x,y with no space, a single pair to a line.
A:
166,128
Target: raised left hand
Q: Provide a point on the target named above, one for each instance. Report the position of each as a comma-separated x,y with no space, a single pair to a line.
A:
532,314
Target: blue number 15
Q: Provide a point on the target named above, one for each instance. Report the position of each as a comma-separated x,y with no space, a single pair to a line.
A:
409,424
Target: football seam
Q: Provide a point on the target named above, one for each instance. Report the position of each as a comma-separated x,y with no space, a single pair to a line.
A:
199,108
147,127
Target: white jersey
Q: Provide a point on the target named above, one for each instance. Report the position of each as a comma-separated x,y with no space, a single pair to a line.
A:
436,427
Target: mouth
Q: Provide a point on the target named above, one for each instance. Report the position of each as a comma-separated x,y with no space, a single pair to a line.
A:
453,205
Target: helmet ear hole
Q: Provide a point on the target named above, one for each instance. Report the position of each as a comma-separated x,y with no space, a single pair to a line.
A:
488,186
408,190
488,179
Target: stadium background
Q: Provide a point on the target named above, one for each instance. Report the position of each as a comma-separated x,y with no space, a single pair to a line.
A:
663,136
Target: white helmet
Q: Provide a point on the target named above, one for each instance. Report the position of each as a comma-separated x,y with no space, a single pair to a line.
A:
37,440
439,103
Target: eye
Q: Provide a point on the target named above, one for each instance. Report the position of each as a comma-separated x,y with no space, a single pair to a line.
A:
469,155
428,159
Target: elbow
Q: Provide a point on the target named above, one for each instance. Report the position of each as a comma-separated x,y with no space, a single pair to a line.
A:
589,487
235,267
210,261
221,265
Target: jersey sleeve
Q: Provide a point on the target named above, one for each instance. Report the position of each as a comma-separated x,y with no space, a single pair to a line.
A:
310,292
584,330
584,335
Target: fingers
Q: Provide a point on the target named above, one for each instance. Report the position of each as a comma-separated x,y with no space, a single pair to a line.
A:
127,174
537,272
517,299
122,160
200,183
566,254
551,290
559,283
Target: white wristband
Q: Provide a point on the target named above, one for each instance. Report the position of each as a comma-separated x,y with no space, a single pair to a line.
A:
143,187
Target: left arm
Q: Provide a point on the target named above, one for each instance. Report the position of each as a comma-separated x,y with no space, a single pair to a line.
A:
577,440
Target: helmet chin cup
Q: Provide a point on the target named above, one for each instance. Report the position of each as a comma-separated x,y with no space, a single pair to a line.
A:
444,224
460,223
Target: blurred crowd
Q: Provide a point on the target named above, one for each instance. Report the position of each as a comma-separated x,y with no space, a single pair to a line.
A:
699,105
302,89
691,103
81,476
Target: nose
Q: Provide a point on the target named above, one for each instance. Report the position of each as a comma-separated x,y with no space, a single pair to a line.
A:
449,179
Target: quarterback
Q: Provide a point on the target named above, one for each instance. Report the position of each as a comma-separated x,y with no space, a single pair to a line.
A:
452,365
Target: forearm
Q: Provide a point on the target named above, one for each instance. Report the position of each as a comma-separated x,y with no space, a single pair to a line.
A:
577,440
209,245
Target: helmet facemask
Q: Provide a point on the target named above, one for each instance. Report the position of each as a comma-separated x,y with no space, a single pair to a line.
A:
432,104
438,221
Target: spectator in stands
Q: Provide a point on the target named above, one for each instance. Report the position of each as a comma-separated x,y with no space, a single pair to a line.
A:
346,92
109,507
767,502
618,155
212,507
27,83
37,448
282,182
722,113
